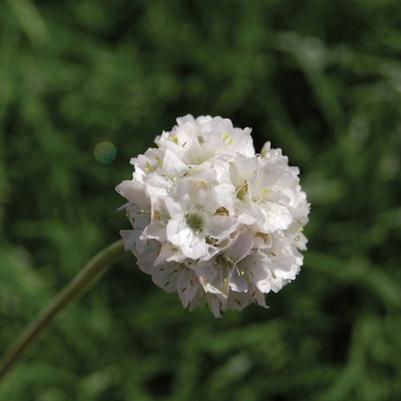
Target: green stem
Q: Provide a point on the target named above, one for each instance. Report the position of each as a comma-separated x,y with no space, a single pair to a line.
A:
90,272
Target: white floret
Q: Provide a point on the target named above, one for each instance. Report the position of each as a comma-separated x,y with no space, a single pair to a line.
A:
212,220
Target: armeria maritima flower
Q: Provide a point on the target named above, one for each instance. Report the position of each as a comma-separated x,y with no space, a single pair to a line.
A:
212,220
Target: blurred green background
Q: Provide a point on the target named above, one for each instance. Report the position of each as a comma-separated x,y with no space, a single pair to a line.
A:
320,79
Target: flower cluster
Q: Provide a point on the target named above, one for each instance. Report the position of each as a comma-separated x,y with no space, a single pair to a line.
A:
212,220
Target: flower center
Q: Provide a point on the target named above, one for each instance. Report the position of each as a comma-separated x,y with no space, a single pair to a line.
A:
194,221
262,196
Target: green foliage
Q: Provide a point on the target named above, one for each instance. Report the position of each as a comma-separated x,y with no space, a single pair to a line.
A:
320,79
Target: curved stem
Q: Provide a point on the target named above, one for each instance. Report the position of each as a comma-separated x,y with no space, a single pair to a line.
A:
90,272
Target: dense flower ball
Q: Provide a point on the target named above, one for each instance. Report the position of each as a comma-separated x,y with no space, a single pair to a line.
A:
212,220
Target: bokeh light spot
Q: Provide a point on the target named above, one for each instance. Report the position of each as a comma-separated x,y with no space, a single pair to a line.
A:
105,152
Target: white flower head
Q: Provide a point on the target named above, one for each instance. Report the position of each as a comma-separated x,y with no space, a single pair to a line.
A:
213,221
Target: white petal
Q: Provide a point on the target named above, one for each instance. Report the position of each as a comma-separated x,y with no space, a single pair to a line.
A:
237,282
178,233
133,191
195,249
165,276
185,119
257,270
214,304
172,164
129,238
241,247
187,286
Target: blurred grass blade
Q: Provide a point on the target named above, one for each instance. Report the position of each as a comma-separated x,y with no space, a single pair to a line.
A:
30,20
358,271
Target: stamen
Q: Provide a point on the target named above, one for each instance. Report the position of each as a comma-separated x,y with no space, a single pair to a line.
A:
227,139
221,211
174,138
243,190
